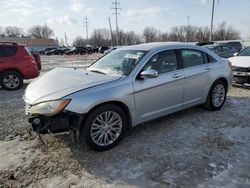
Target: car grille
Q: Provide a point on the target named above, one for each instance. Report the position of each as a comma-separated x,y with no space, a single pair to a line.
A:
241,69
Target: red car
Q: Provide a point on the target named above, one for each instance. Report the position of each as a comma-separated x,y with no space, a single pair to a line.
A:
17,64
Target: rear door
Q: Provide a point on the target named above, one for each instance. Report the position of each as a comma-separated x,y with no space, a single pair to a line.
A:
197,66
155,97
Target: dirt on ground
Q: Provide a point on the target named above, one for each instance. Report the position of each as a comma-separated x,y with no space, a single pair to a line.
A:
191,148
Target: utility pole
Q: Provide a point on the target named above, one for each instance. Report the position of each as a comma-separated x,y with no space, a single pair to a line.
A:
66,39
46,31
212,22
116,8
188,20
111,33
86,25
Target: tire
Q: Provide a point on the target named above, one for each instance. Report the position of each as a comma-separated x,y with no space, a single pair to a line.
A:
93,129
11,80
216,96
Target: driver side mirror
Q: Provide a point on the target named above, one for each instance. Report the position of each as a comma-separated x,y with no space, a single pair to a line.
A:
149,74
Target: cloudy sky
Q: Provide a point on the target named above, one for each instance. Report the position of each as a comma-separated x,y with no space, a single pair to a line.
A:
67,15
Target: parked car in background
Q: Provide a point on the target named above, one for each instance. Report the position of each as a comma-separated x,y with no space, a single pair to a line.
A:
102,49
17,64
222,50
43,51
204,43
109,50
124,88
57,51
95,49
234,44
241,67
77,51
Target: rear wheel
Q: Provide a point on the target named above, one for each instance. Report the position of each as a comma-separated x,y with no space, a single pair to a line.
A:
217,96
11,80
104,127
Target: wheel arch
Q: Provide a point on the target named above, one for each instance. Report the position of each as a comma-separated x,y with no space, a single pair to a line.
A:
12,69
117,103
224,80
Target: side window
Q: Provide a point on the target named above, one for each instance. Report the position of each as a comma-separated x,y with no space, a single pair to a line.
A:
225,48
210,59
217,49
163,62
192,58
7,51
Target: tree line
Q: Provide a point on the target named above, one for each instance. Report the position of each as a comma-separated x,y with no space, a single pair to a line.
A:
183,33
36,31
102,37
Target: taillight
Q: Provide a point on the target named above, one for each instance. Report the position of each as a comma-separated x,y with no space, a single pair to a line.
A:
230,65
30,59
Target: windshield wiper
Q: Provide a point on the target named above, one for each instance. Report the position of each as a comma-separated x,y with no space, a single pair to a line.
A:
97,71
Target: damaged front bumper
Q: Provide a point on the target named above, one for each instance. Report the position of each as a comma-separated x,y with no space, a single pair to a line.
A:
241,78
58,124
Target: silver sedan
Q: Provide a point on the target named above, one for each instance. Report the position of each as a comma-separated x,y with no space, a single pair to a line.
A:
125,88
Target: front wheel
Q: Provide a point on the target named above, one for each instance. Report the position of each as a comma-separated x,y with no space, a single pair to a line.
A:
11,80
217,96
104,127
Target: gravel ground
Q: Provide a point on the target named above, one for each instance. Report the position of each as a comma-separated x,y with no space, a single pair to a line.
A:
192,148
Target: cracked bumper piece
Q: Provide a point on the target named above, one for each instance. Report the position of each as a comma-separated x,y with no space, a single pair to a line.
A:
55,124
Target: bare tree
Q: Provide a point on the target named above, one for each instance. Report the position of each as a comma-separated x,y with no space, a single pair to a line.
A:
132,38
13,31
79,42
1,32
163,37
202,34
100,37
224,32
190,32
150,34
39,32
177,34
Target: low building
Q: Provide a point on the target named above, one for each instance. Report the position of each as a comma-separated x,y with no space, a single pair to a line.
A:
32,44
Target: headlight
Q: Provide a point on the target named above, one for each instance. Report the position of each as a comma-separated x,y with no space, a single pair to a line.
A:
49,108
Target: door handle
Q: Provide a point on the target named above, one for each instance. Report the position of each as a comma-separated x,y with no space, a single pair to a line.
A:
176,75
208,68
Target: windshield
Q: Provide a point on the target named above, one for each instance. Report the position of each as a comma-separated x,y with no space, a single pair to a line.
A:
118,62
245,52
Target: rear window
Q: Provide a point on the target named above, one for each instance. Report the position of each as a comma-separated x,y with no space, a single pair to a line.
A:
234,44
7,51
27,50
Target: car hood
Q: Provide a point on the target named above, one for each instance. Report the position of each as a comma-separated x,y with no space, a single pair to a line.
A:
240,61
60,82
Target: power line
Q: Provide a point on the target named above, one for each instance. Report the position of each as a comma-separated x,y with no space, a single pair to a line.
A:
86,25
116,8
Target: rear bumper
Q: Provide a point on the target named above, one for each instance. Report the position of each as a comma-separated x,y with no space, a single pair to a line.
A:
31,72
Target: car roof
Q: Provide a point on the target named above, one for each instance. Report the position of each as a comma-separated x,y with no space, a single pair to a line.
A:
158,45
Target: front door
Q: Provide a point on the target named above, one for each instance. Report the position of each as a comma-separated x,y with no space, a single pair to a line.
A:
155,97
